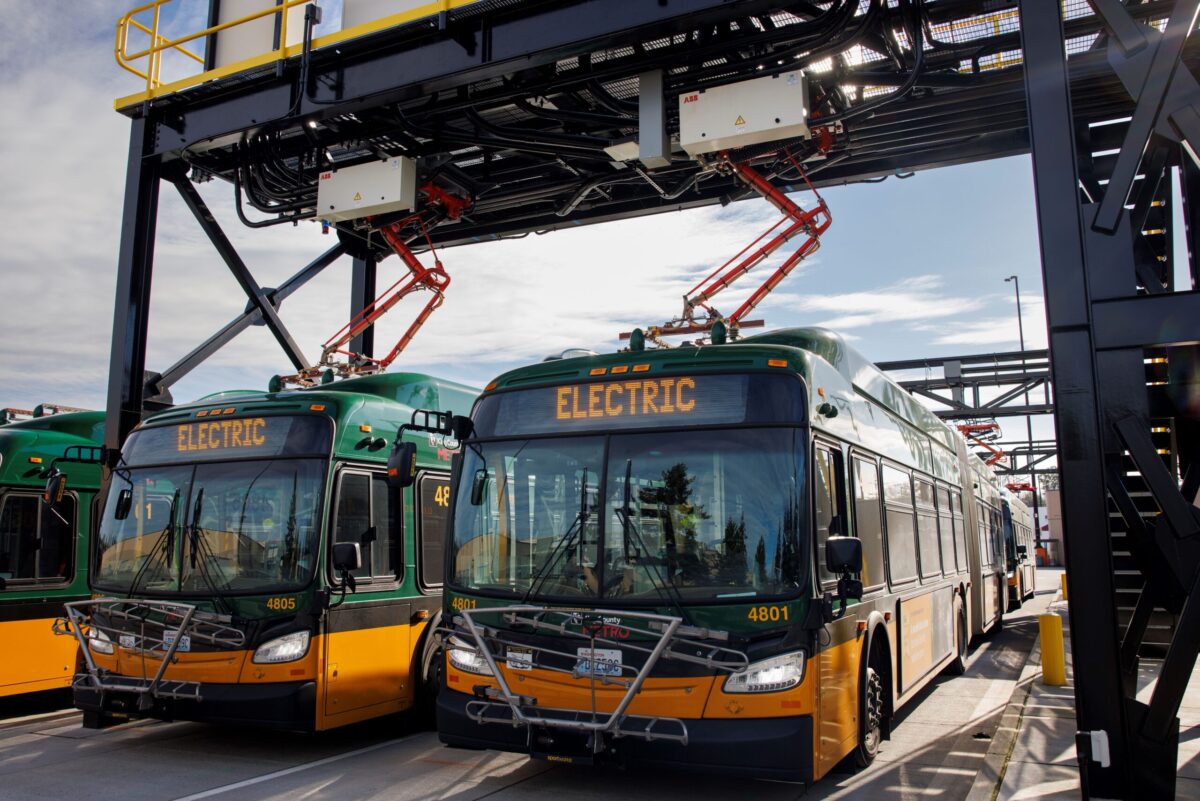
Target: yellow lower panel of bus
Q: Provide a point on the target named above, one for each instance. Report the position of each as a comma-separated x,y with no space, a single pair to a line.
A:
34,657
691,697
368,672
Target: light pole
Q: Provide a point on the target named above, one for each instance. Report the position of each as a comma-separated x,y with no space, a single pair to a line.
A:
1037,522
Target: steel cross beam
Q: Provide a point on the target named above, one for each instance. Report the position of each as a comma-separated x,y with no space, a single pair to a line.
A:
251,316
225,248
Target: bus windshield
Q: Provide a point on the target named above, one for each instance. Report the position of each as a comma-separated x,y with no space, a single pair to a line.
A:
198,523
653,517
224,527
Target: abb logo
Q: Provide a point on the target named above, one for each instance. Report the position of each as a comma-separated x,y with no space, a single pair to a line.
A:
691,98
325,176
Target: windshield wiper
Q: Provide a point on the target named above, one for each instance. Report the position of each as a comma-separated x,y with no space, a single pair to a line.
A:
564,543
288,568
663,586
167,535
198,548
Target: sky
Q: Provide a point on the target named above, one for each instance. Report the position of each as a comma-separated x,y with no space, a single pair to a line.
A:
909,268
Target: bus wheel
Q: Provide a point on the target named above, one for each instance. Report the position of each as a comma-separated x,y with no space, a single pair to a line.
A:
870,718
958,666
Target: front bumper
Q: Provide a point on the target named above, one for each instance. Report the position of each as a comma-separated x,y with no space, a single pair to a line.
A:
289,706
769,748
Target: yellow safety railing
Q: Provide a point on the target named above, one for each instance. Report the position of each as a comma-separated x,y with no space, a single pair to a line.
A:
147,62
160,45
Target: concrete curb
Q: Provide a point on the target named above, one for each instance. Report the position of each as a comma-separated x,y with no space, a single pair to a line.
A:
988,781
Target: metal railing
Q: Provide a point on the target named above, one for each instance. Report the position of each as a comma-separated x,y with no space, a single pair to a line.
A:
160,45
154,630
651,637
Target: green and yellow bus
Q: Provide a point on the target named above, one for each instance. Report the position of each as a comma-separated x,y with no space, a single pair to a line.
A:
742,557
252,565
43,553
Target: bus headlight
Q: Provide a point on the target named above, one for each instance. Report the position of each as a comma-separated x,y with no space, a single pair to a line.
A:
287,648
467,658
781,672
99,642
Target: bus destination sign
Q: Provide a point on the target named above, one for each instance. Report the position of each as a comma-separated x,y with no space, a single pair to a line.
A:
231,438
648,397
215,435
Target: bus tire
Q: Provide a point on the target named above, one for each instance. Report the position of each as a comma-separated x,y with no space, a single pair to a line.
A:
1018,596
871,711
958,665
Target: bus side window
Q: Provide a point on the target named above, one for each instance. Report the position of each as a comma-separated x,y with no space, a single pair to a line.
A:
368,513
960,530
23,522
946,530
431,529
901,525
828,502
927,530
385,517
868,522
354,517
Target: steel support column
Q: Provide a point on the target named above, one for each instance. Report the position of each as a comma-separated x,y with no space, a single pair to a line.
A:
362,295
1099,696
135,266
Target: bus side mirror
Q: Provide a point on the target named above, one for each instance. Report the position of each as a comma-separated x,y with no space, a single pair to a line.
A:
1023,551
478,482
843,555
402,465
461,427
56,485
347,557
124,504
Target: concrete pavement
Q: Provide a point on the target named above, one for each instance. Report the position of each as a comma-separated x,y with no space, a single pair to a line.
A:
938,744
1033,755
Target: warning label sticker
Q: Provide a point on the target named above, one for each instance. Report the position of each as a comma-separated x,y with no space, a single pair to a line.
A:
740,120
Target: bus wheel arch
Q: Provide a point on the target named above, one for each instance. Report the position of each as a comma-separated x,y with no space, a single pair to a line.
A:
430,667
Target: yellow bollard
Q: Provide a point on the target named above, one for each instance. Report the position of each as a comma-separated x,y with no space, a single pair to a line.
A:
1054,663
1063,578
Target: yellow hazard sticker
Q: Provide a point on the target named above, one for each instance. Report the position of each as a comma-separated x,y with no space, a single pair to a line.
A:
739,120
358,195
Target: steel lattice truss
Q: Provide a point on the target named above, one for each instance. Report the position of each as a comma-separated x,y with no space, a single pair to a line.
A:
901,85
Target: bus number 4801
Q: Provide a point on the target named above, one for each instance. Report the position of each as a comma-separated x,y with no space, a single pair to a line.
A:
768,614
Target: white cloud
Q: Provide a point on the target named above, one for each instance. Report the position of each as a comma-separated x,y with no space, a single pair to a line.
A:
911,299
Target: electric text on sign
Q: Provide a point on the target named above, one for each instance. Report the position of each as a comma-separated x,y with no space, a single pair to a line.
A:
221,435
648,397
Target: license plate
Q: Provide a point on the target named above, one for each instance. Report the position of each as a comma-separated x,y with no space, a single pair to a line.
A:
598,662
519,659
185,642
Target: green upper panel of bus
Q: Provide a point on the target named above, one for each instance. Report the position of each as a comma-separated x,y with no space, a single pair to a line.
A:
381,402
46,438
797,346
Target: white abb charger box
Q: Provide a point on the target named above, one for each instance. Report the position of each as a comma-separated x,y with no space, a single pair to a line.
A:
750,112
379,187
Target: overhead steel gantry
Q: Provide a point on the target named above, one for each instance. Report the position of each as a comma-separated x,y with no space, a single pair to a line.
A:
551,114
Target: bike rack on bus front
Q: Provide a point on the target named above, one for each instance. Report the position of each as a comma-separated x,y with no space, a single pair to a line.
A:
665,637
152,629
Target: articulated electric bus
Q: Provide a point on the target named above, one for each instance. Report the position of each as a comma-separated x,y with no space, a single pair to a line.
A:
43,553
1018,549
741,557
252,564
